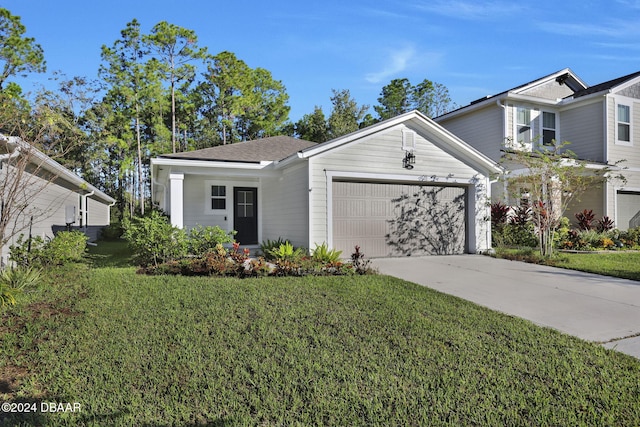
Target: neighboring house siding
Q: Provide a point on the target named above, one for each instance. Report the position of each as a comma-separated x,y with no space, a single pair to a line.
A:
98,213
285,207
583,127
381,155
47,208
629,153
549,90
482,129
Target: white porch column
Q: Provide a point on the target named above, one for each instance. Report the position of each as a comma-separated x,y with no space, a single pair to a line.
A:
176,210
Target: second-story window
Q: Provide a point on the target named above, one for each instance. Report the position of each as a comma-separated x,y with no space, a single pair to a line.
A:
548,128
523,126
624,123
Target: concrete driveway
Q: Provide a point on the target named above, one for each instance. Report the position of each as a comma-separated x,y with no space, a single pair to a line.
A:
592,307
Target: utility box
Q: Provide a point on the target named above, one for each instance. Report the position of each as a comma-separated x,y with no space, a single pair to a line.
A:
70,214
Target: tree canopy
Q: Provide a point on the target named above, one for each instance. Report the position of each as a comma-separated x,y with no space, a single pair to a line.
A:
18,54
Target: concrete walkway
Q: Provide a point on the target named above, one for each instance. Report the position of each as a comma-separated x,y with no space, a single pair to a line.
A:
592,307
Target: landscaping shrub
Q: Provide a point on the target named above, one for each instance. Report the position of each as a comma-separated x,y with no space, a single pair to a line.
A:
13,281
518,235
65,247
605,224
286,252
153,240
585,219
323,254
499,215
204,239
359,264
268,245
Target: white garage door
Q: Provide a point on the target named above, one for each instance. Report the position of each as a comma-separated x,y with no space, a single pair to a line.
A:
628,210
387,219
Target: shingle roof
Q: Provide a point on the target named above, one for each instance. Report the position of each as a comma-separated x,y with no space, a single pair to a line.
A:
266,149
606,85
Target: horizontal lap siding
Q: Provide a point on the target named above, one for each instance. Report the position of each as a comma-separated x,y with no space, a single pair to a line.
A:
98,213
584,128
197,194
381,154
286,206
482,129
629,154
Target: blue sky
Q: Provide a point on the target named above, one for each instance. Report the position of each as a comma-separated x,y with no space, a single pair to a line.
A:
475,48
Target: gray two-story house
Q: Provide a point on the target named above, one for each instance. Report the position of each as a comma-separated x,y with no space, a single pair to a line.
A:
601,122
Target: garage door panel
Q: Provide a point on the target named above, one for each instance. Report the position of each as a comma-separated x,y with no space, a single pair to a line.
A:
628,209
387,219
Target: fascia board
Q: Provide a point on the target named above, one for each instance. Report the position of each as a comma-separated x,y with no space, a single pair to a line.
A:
43,161
161,161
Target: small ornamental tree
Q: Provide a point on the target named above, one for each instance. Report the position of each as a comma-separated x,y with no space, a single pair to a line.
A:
554,178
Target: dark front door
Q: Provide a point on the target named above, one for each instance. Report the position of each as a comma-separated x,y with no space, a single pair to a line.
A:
245,214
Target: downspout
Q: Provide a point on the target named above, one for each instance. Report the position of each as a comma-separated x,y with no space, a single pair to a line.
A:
85,208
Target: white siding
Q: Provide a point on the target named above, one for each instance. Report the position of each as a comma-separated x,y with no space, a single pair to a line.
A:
197,196
46,206
98,213
380,158
481,129
285,211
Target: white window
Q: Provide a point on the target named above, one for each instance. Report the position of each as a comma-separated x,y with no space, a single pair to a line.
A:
523,126
623,124
218,197
548,128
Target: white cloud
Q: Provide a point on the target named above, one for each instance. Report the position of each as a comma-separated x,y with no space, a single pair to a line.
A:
472,10
396,62
612,28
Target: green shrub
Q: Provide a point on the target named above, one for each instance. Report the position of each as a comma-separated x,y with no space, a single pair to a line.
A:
65,247
323,254
205,239
153,240
287,252
268,245
13,281
516,235
27,252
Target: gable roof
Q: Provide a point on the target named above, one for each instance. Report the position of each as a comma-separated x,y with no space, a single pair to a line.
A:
564,76
420,121
606,85
273,148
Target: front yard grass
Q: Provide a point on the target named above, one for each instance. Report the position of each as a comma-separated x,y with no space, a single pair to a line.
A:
360,350
624,264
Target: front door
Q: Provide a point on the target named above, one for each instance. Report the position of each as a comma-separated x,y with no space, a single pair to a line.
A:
245,215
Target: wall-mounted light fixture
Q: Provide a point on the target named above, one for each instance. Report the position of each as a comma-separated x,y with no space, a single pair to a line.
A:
409,160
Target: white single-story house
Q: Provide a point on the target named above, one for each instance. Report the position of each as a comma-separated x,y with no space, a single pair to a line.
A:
41,197
404,186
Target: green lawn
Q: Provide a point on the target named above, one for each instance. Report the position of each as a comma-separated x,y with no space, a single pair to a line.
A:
624,264
364,350
618,264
